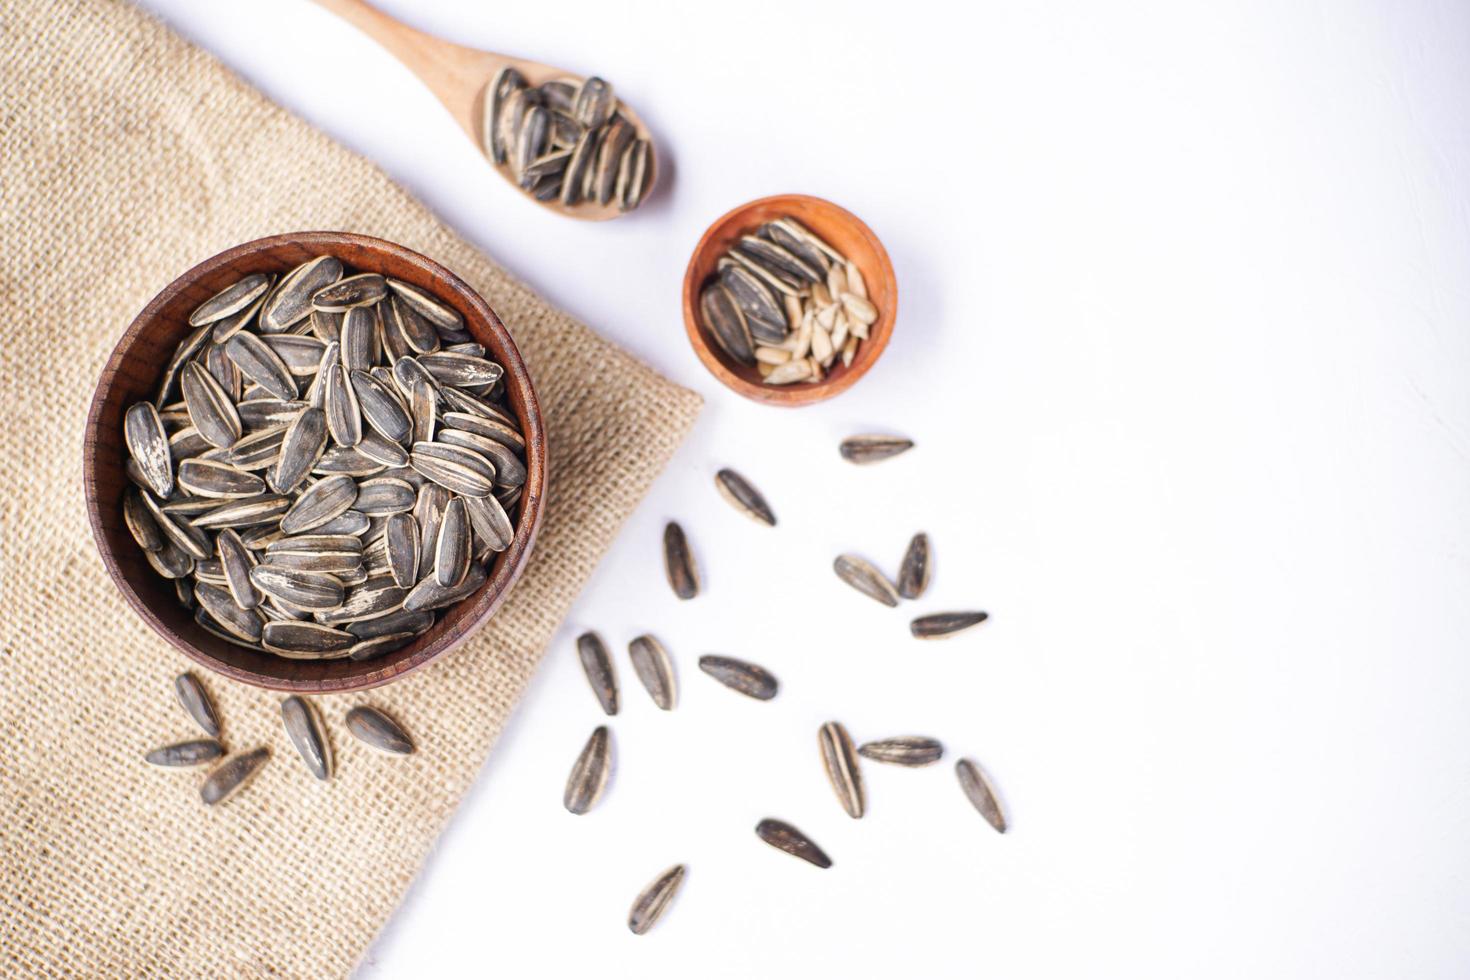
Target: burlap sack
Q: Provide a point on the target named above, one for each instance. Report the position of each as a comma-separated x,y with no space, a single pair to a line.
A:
127,155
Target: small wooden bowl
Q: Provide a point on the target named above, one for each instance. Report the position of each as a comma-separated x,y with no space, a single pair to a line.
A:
839,228
132,374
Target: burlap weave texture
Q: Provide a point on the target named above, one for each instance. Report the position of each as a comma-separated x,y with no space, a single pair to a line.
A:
127,155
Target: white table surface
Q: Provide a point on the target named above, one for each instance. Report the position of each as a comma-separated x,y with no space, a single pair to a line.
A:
1183,339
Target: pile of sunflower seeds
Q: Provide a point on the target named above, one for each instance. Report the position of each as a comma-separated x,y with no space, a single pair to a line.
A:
841,758
787,303
566,141
304,727
329,460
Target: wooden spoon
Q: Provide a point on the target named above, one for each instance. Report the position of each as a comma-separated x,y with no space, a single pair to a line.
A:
460,77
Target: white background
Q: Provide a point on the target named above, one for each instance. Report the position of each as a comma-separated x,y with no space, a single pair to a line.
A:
1183,339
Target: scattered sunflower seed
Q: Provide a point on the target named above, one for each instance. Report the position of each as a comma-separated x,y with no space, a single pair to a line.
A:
978,791
373,728
744,497
196,701
655,670
904,750
840,760
679,565
939,626
304,727
738,675
654,900
589,774
598,666
914,570
232,775
863,576
784,837
866,449
185,753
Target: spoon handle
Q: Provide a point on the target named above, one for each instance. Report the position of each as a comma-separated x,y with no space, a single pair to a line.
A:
455,74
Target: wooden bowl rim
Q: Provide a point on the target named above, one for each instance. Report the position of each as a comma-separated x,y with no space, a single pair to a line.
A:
508,566
790,396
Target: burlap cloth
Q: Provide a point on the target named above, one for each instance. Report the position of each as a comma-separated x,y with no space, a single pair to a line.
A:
127,155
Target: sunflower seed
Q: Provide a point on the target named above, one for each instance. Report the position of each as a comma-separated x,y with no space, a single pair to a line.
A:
187,349
223,329
873,448
403,549
210,409
358,343
148,445
455,400
598,666
738,675
679,564
418,333
377,595
489,428
206,478
530,141
938,626
140,522
490,522
763,314
363,289
979,792
380,407
588,777
243,623
578,166
185,753
265,509
292,300
610,154
460,370
235,562
306,641
458,470
744,497
261,364
655,671
232,775
913,571
195,700
630,193
863,576
840,760
779,260
726,323
171,563
346,461
429,594
304,590
268,413
320,502
441,316
302,445
506,81
183,535
231,299
905,750
784,837
509,470
373,728
304,728
452,551
384,496
595,102
652,902
397,621
257,451
302,355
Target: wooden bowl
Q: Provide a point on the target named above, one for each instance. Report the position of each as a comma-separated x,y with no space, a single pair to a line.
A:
841,229
132,374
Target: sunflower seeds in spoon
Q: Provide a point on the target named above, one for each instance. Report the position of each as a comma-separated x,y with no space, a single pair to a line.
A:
373,728
863,576
589,774
980,794
654,900
655,671
185,753
679,564
598,666
784,837
738,675
939,626
840,760
904,750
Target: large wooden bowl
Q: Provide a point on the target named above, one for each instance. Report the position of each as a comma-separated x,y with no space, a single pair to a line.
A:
839,228
132,374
